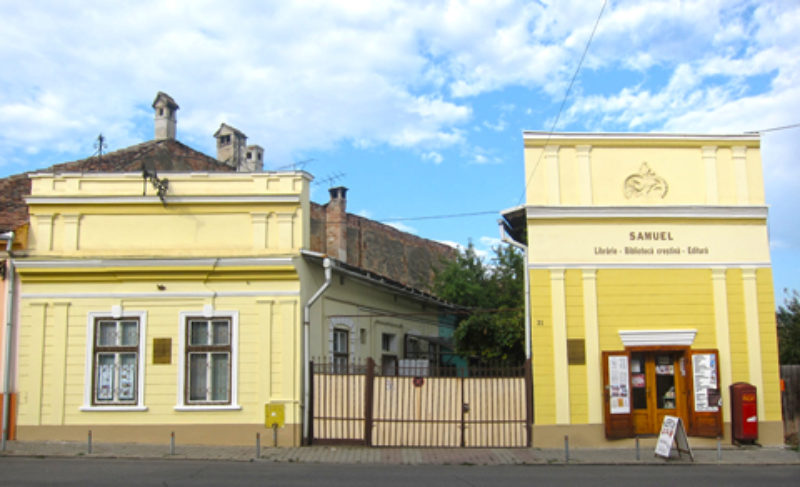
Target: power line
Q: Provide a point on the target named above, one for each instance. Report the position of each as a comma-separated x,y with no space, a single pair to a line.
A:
775,129
495,212
439,217
564,100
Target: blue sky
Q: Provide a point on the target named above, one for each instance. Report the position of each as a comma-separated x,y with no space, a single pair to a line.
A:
418,106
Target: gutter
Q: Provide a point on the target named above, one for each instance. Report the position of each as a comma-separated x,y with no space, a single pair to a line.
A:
327,265
505,238
9,238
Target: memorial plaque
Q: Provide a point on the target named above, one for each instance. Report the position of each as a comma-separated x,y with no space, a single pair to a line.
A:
162,350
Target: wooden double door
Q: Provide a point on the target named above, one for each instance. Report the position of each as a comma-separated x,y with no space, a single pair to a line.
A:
658,389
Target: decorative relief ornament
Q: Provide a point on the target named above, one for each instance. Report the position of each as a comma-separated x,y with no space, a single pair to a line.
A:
645,183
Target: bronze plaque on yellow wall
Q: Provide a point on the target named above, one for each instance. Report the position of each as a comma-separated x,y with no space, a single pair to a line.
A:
162,350
576,351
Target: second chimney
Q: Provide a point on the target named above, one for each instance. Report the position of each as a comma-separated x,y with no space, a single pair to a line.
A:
166,121
336,224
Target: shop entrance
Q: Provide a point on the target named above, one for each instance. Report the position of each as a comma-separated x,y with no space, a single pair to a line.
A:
642,385
658,388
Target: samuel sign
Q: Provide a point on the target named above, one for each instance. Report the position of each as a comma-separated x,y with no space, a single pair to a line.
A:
596,243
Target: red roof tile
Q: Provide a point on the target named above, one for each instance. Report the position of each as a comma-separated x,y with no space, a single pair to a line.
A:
162,155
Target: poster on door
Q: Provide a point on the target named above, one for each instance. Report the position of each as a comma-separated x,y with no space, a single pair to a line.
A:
704,367
619,395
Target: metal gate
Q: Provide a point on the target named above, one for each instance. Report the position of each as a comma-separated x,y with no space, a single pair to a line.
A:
484,407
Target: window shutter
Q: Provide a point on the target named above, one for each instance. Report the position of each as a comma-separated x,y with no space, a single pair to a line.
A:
705,414
617,395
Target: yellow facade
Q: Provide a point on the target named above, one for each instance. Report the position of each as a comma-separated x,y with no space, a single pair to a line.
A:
141,317
654,246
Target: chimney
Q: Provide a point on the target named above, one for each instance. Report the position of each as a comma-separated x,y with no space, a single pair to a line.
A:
336,224
231,145
253,159
166,121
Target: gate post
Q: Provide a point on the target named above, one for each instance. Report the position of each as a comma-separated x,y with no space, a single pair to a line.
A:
463,413
369,384
529,401
310,406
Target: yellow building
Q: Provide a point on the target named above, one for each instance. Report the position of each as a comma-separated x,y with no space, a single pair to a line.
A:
650,284
190,301
189,311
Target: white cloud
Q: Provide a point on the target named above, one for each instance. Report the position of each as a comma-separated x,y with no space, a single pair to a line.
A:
433,157
402,227
498,126
452,244
490,242
481,155
300,76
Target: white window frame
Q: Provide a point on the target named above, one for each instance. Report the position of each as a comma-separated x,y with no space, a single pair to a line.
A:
208,314
116,314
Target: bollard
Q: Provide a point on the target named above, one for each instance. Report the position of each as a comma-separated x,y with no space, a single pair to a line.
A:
258,445
172,443
89,443
275,435
719,450
637,448
566,448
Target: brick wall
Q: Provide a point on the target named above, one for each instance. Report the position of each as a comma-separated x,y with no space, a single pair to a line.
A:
384,250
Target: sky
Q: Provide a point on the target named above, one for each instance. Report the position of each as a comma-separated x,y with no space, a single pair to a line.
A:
418,107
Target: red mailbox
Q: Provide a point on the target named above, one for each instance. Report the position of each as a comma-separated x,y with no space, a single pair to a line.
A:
744,413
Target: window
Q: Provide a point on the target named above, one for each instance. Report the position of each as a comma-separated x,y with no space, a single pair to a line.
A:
387,342
413,348
114,361
340,350
116,356
208,361
389,358
224,139
208,371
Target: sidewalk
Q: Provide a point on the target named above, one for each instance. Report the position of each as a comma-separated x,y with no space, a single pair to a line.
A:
728,455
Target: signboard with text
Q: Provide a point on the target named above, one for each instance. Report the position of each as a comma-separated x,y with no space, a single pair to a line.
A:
672,433
670,243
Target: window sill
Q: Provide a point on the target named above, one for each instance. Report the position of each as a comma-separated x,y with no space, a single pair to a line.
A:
208,407
114,408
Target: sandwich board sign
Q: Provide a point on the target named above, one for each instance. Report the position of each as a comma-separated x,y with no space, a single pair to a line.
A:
673,433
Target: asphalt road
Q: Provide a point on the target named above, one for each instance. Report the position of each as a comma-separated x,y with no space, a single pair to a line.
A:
17,471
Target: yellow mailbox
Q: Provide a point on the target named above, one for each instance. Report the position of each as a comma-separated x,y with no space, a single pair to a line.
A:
275,415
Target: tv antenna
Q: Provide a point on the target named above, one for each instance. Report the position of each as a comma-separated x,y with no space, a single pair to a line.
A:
331,179
100,145
160,185
295,166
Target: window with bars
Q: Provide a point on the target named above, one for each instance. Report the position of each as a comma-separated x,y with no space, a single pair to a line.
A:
208,361
115,361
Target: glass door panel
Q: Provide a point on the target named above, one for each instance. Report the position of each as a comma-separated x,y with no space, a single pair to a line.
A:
665,381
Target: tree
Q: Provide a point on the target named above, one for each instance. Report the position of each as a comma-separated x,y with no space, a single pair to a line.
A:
788,317
493,329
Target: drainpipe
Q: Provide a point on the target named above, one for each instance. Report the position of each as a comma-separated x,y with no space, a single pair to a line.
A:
505,238
9,238
327,265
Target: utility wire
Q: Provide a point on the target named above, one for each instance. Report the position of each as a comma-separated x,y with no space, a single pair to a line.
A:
555,122
438,217
775,129
495,212
564,100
